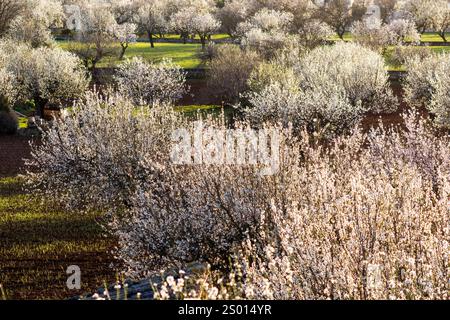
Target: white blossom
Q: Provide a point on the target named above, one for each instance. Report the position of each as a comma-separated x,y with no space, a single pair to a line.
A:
150,83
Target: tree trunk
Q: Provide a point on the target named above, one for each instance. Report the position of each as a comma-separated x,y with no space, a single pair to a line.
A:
122,53
442,35
152,42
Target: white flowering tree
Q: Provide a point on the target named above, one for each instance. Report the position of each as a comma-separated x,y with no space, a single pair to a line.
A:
341,14
8,85
47,76
9,10
404,30
371,196
196,18
421,12
97,35
181,23
125,34
429,15
233,13
332,96
267,31
151,84
204,25
306,25
379,36
363,242
313,33
440,18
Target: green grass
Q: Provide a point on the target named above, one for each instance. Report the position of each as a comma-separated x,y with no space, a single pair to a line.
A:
39,240
185,55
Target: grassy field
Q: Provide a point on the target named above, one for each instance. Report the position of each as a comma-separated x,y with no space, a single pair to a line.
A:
220,36
39,241
185,55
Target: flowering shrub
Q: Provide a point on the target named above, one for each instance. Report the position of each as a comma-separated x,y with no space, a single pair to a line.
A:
7,86
334,95
45,75
148,83
428,83
91,157
404,30
33,24
364,219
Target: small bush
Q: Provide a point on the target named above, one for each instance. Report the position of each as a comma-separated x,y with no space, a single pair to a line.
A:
229,71
428,84
8,122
